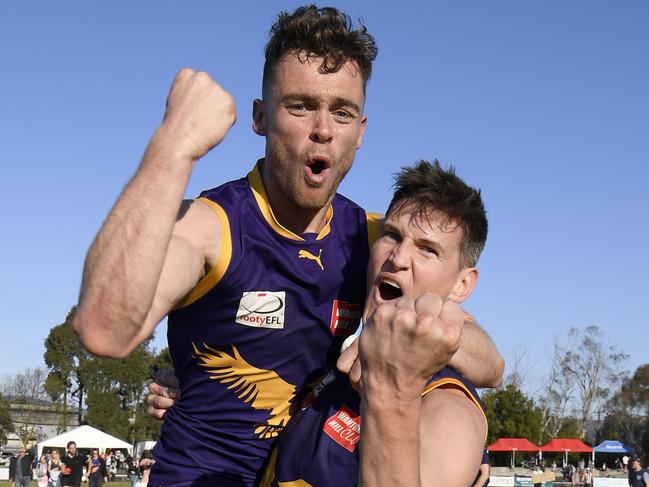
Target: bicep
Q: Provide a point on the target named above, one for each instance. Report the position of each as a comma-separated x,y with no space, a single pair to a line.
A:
451,428
193,247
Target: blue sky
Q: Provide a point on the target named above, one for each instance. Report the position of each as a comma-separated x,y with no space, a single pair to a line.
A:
543,105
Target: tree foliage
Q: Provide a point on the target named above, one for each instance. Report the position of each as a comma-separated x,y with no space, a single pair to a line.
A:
64,357
511,414
627,412
112,390
6,424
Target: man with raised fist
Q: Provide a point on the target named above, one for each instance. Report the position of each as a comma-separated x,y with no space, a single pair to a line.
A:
263,277
418,416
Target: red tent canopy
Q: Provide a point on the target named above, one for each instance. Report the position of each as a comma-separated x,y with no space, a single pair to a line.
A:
566,444
513,444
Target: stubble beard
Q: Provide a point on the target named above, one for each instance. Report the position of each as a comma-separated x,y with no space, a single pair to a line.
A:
293,184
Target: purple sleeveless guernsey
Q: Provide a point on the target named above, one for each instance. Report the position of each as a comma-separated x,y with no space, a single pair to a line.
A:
247,342
319,448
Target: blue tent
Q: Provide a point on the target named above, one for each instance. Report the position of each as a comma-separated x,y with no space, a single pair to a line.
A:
612,446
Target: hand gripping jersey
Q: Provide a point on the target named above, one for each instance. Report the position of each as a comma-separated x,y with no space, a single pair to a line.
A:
319,448
258,328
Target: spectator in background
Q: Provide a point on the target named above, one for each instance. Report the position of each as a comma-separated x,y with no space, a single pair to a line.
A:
42,472
55,468
111,465
97,473
638,476
20,468
133,471
72,463
146,462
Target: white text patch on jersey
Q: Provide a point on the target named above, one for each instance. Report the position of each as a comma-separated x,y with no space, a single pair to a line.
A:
262,309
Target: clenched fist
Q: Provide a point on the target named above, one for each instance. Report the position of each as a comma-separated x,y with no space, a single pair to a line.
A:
403,345
199,114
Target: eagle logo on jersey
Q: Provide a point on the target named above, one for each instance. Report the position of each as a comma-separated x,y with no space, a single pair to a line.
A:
262,389
305,254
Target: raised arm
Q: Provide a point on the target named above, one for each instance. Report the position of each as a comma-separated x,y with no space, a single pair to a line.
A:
152,249
477,358
401,431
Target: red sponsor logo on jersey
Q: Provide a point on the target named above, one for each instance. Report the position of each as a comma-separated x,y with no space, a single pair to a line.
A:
345,318
344,428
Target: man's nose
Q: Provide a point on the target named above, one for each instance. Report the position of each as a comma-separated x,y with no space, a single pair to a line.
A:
322,130
400,255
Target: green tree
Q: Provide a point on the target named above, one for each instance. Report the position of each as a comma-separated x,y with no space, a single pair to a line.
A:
105,413
627,412
6,425
122,384
114,390
511,414
64,356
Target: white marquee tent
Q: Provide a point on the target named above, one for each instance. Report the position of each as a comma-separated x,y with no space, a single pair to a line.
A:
85,437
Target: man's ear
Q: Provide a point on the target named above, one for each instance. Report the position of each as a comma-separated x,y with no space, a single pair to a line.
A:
464,286
258,117
361,132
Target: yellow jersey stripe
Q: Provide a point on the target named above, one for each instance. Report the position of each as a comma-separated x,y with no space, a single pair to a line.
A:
456,384
258,190
374,221
213,277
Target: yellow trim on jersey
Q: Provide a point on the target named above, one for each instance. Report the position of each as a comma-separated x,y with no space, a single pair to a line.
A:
456,384
374,221
215,275
258,190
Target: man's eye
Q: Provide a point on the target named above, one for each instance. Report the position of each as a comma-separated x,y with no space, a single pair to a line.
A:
429,250
297,108
343,115
391,235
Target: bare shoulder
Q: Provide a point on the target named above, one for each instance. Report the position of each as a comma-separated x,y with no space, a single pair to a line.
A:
199,224
451,427
453,404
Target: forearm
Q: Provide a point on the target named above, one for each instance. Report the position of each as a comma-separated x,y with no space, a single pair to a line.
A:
477,358
390,446
124,263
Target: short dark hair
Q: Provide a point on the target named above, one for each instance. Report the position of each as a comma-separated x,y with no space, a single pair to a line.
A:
427,188
320,32
70,443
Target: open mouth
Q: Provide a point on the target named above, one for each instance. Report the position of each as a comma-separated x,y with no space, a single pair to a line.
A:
389,291
316,171
317,166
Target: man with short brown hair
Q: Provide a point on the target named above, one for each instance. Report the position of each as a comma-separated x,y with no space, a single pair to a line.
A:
20,468
72,469
263,277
